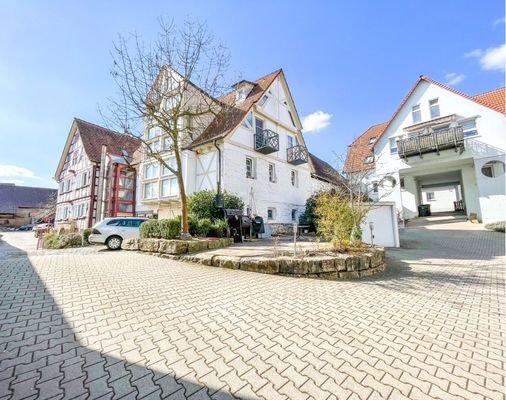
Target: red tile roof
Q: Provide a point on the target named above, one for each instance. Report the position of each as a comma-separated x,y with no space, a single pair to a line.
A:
94,136
494,99
361,148
357,151
224,124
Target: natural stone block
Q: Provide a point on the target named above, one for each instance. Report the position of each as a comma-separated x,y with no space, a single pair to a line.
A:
130,244
173,247
197,245
348,275
329,275
378,257
214,243
328,264
366,272
264,265
314,265
225,242
288,265
226,262
151,245
341,263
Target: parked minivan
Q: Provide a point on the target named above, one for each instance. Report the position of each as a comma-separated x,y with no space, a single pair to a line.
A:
112,231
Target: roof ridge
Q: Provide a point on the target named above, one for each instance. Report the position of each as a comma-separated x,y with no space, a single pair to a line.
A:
101,127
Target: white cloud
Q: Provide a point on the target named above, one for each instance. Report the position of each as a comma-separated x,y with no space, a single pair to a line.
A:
499,21
490,59
452,78
316,121
14,171
14,181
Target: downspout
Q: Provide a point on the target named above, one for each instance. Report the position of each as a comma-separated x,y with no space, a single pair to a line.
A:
92,197
101,178
218,183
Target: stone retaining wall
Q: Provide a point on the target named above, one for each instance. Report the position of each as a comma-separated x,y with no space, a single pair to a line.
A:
338,266
174,247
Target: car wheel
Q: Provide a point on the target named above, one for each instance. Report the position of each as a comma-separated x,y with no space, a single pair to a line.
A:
114,243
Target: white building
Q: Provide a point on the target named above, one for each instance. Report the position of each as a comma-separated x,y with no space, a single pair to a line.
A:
442,148
95,179
256,151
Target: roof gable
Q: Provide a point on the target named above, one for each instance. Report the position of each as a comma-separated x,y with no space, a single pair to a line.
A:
324,171
13,197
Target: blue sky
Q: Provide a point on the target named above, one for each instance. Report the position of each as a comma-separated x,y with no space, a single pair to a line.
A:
348,64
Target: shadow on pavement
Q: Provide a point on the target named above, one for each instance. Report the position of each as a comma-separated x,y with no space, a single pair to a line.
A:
42,358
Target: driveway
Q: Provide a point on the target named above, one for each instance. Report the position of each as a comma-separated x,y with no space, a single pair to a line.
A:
84,323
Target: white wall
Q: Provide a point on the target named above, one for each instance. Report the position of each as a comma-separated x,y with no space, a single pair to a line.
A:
444,197
385,227
492,191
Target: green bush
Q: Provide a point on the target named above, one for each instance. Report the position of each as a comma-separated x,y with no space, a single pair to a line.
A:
201,205
204,226
308,217
150,229
55,241
219,228
169,228
496,226
86,234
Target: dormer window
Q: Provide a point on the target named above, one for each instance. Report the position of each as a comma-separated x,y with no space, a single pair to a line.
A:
369,159
242,90
372,140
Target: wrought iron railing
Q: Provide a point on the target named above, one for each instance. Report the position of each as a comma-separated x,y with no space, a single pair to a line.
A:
266,142
432,142
296,155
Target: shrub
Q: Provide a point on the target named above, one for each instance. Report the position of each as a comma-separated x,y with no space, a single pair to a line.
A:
169,228
204,226
55,241
201,205
219,228
150,229
496,226
86,234
308,217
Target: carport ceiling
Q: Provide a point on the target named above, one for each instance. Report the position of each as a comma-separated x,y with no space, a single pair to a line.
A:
443,177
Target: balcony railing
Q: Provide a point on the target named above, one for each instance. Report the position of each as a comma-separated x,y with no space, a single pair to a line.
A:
266,142
451,138
296,155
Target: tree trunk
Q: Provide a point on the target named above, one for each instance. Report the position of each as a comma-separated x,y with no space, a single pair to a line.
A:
185,231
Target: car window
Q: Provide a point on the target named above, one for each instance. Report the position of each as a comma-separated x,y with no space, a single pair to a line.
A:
114,222
131,223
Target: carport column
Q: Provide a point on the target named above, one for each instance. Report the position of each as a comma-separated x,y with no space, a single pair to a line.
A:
410,197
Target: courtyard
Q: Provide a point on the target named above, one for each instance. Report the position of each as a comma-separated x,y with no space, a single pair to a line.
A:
89,323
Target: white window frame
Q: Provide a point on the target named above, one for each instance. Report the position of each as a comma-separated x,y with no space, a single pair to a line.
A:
432,196
256,126
290,138
247,122
294,214
164,171
173,187
272,172
263,100
475,129
156,169
393,145
418,111
433,105
154,193
272,210
250,174
294,181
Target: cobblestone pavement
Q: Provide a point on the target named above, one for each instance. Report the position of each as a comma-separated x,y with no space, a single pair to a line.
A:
94,324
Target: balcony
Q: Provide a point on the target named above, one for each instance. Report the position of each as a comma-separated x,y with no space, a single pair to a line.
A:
266,142
296,155
432,142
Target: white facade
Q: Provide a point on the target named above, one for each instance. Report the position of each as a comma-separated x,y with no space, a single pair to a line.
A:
268,184
484,141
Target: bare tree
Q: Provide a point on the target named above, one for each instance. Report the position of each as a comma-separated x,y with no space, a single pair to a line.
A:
167,93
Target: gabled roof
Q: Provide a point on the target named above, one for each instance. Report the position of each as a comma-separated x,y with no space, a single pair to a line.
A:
93,137
494,99
13,197
324,171
224,124
361,147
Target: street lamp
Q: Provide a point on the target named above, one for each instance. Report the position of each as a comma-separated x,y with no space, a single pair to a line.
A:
371,229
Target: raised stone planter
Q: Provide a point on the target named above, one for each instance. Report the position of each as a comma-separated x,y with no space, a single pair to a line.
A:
174,247
335,266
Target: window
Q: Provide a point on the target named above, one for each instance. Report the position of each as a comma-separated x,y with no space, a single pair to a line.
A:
167,143
402,183
259,126
469,127
488,171
434,108
168,187
263,100
416,113
151,171
372,140
271,213
291,141
153,132
62,186
114,222
149,191
250,168
272,172
369,159
291,118
431,196
294,215
393,146
375,187
293,177
247,122
493,169
172,163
